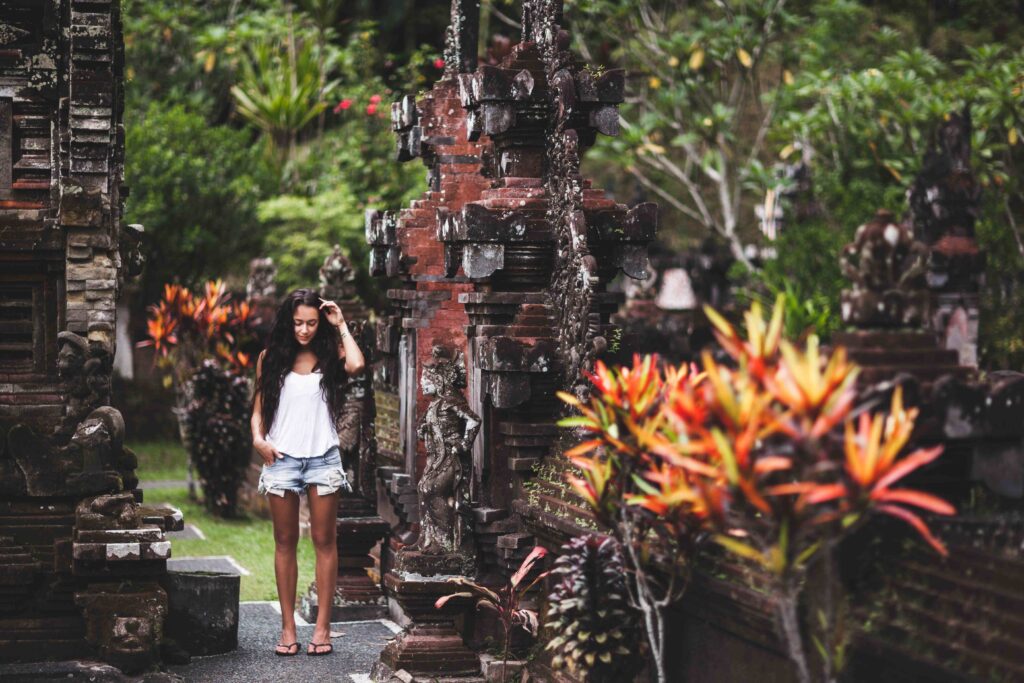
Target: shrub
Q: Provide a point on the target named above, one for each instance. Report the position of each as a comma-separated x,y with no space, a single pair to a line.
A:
195,188
765,456
217,418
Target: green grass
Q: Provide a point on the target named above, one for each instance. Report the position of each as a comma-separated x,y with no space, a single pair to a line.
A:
249,540
160,460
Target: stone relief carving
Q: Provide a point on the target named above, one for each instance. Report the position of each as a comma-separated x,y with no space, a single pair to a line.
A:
124,623
85,365
448,430
337,276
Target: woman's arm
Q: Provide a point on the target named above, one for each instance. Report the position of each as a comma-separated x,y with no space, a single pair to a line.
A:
348,349
259,442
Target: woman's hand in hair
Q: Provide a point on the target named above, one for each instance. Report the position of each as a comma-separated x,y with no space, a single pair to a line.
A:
267,451
332,312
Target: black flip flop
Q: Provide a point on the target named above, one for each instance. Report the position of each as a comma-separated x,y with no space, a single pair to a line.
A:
288,648
317,653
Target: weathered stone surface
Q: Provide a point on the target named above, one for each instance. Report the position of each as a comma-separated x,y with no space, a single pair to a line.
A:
124,622
74,544
202,612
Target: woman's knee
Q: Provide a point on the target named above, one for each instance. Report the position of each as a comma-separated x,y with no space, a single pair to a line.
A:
286,539
323,539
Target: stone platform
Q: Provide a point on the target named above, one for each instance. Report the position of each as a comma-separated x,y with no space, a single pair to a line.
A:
354,654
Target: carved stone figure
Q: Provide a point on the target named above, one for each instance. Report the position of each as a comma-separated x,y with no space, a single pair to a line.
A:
886,267
85,366
130,249
336,276
93,461
116,511
124,622
262,272
448,430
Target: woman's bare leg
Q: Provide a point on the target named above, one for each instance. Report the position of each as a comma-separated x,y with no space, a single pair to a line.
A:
285,514
323,520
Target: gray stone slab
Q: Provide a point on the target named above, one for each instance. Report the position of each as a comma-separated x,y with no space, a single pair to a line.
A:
259,628
222,563
77,670
190,532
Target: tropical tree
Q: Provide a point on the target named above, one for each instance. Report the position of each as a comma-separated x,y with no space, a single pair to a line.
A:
702,101
281,90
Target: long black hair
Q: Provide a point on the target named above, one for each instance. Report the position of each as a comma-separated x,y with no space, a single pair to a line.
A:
282,348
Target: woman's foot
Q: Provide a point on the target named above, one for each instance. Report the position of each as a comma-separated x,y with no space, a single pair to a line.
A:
317,649
288,645
320,643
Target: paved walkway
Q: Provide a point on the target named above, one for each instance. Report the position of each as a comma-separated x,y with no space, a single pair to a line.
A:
258,630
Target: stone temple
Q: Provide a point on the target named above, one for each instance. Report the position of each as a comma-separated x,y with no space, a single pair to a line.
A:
80,556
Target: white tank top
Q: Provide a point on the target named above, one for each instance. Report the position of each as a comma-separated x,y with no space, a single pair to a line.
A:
302,425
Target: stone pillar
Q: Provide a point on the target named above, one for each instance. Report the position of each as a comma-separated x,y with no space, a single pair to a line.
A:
504,261
356,594
74,540
430,647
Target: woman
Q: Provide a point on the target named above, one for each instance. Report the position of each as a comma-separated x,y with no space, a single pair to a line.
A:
300,380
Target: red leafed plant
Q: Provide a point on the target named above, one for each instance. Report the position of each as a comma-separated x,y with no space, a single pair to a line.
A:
198,340
748,453
186,328
505,601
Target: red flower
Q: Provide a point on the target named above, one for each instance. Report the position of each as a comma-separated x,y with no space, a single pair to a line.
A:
374,99
371,109
343,105
438,63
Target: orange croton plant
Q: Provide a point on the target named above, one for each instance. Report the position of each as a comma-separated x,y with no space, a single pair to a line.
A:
184,328
749,450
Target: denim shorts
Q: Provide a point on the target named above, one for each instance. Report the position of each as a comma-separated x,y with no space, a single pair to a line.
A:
295,474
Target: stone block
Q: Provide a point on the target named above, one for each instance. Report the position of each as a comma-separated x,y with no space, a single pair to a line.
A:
101,316
202,611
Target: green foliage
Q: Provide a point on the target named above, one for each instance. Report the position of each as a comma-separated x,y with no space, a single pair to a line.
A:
303,230
805,272
860,87
343,175
871,127
280,90
195,188
698,103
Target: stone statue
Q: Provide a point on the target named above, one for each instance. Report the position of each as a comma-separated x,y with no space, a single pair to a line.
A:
336,276
262,272
94,460
130,250
85,366
886,267
448,430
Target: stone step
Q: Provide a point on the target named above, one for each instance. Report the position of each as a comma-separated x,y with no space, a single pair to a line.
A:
884,339
871,357
882,373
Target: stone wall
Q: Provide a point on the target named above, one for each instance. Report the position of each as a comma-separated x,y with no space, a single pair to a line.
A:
79,556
